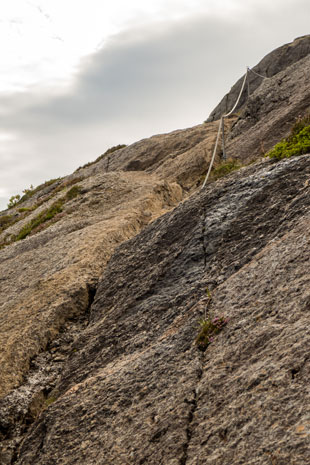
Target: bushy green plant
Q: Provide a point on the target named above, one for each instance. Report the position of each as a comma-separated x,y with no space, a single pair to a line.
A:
225,168
297,143
209,327
28,192
14,200
26,209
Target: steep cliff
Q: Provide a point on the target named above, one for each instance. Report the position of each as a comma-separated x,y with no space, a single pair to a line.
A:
275,62
99,358
267,114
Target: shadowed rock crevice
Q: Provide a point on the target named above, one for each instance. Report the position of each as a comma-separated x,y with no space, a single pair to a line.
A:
23,406
191,414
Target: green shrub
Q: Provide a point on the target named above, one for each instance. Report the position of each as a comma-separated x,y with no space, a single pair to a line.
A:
209,327
14,200
43,217
26,209
297,143
29,192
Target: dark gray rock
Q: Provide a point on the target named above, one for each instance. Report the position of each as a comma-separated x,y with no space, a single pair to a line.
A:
136,390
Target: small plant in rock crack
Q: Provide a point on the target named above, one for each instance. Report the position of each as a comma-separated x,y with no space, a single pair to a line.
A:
209,327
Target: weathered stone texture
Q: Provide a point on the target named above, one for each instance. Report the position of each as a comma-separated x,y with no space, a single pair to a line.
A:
276,61
99,311
136,389
47,280
271,111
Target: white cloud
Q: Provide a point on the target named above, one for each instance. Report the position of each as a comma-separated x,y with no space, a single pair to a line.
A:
43,40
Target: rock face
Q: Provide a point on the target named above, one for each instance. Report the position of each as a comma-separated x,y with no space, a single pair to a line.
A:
48,279
137,390
274,104
100,305
56,268
270,112
276,61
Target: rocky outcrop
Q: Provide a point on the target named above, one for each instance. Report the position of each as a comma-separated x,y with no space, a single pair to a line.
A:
275,62
270,112
180,156
105,275
137,390
49,278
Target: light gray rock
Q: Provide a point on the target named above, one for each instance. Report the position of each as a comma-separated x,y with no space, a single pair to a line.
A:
273,63
270,112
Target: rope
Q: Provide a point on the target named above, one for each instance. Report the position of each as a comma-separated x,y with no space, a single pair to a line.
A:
221,124
239,96
257,74
214,152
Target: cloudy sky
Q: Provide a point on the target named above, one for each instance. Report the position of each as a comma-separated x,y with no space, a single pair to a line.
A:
77,77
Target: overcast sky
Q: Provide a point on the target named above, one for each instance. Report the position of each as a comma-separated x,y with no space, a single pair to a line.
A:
77,77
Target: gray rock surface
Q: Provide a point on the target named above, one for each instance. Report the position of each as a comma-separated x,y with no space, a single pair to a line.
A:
273,63
180,156
136,390
271,111
44,279
100,305
47,280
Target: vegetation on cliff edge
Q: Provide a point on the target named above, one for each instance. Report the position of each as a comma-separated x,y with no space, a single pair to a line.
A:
297,143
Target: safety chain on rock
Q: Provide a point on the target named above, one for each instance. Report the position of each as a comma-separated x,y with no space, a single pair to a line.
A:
222,124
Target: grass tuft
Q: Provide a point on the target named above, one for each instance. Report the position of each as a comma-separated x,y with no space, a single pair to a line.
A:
225,168
209,327
105,154
73,192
